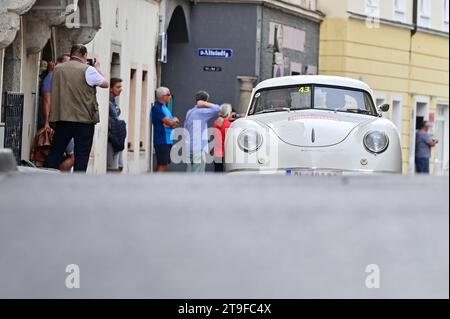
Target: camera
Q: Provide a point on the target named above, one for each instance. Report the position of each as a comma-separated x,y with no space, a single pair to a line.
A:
90,62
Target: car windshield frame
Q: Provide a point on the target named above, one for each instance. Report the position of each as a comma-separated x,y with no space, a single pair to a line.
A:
366,94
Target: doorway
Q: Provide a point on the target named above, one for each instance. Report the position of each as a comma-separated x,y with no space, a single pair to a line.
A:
2,125
47,56
441,133
178,41
176,73
420,113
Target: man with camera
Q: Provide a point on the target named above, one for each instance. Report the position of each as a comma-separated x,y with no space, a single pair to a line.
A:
74,111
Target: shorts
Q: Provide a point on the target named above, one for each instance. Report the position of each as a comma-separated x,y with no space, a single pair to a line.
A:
163,154
114,160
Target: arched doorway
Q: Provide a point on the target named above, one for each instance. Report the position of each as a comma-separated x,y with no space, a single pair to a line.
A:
173,70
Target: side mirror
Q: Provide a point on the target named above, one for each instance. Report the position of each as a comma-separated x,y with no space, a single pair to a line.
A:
384,108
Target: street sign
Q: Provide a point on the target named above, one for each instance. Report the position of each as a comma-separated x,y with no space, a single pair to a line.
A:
215,53
212,69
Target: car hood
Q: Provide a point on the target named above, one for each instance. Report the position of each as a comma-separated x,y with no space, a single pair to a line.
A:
313,128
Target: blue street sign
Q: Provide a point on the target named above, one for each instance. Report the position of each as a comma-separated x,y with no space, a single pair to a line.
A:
215,53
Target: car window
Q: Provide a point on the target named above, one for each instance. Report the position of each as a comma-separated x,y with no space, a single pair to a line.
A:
298,97
301,97
344,100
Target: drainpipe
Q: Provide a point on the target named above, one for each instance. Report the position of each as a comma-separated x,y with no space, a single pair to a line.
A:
412,139
415,16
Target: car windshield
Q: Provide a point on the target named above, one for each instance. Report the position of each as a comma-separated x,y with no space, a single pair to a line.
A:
312,97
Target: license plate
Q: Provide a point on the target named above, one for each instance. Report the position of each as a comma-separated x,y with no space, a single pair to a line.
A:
312,172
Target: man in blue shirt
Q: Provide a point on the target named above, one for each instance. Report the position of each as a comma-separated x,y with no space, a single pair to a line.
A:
163,125
196,126
424,144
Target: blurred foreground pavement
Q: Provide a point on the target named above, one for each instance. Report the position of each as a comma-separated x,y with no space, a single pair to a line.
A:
180,236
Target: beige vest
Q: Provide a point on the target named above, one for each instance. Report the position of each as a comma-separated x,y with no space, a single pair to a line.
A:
73,100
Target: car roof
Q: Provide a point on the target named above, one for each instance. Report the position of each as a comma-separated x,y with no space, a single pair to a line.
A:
314,79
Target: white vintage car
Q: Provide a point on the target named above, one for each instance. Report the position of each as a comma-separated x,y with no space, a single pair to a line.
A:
313,125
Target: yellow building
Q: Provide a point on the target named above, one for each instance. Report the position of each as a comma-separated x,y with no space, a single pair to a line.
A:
401,49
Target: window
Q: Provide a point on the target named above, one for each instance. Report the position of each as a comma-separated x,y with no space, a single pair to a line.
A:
308,4
372,8
445,16
424,13
144,113
400,10
132,111
397,114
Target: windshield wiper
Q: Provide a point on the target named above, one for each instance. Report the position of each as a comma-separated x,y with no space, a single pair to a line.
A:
301,108
281,109
359,111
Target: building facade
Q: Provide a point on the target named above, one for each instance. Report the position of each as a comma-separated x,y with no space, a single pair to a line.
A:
127,44
122,35
401,49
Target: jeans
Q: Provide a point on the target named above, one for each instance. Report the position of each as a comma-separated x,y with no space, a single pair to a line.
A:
422,165
197,164
83,135
114,160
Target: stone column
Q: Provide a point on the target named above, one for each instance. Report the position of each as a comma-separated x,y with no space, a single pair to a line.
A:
247,83
12,65
10,12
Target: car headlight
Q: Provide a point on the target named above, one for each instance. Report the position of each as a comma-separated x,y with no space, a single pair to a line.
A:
376,142
250,140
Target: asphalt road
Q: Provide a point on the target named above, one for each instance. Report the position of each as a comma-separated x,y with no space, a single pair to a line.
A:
180,236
